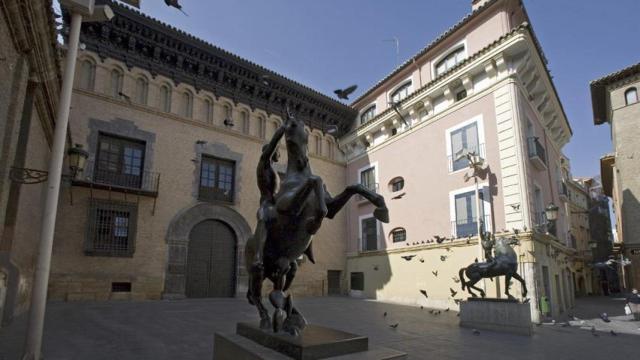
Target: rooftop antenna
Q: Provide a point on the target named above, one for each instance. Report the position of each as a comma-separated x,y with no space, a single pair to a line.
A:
397,42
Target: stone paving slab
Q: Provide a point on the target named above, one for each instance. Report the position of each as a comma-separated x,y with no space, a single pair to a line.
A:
184,329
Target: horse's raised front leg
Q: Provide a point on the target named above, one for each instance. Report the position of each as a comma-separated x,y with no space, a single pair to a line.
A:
336,203
522,282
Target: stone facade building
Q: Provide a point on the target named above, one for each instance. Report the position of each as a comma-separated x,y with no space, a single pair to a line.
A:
29,69
615,101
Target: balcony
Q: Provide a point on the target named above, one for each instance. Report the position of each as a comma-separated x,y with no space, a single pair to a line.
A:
373,187
537,153
463,163
563,191
465,227
146,183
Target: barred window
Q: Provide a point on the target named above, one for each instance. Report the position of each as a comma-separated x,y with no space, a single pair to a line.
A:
111,228
396,184
119,161
399,235
217,178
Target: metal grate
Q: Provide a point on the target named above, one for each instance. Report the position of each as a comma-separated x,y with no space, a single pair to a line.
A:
111,228
399,235
121,287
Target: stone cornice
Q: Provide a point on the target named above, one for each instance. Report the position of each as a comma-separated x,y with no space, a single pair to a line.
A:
140,41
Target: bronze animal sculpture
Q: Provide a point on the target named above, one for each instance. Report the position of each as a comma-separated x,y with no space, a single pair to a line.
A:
287,220
503,263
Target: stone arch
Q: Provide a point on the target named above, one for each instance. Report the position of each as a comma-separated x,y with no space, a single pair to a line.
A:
178,243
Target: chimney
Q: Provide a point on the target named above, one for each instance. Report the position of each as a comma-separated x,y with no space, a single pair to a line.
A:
475,4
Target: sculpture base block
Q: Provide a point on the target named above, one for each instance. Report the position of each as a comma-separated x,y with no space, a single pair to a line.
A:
502,315
315,342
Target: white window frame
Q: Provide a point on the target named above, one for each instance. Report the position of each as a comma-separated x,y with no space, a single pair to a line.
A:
376,172
461,44
486,203
401,84
364,110
360,241
480,126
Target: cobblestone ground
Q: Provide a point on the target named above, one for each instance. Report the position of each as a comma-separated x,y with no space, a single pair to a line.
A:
184,330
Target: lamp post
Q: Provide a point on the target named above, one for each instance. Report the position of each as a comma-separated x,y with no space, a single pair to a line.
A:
78,10
551,214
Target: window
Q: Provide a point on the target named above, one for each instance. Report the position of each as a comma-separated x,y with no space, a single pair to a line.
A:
450,61
117,79
187,105
217,179
368,178
466,221
142,90
400,93
368,114
120,287
357,281
262,127
165,98
87,75
317,145
111,228
245,122
463,138
396,184
399,235
631,96
119,161
369,233
207,111
461,95
227,113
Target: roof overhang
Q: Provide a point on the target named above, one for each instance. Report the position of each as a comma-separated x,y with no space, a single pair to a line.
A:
606,173
599,92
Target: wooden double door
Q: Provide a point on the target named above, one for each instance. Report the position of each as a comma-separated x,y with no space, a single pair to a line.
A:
211,261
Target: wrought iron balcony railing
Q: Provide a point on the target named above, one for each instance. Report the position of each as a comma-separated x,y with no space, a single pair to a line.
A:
537,153
145,183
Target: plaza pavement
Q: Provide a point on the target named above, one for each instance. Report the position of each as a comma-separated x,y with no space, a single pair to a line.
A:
184,330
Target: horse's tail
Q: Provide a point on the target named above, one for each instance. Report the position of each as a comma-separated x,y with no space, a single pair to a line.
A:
461,275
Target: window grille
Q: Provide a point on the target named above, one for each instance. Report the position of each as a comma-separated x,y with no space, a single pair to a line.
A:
399,235
217,178
397,184
111,228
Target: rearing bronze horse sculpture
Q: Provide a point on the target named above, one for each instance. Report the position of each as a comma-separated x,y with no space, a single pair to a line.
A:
286,223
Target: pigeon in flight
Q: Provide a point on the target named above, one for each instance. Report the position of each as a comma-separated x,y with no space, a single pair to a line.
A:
435,273
398,196
408,257
344,93
424,292
443,257
394,326
175,4
453,292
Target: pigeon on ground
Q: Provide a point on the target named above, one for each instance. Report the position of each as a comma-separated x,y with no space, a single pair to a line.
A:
385,314
435,273
453,292
424,292
446,310
605,317
408,257
476,260
395,326
344,93
476,332
421,260
613,333
421,307
566,324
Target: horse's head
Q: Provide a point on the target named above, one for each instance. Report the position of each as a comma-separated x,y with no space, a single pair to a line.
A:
507,242
296,138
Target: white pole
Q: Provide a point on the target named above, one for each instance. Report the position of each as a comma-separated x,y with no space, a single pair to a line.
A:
624,282
35,328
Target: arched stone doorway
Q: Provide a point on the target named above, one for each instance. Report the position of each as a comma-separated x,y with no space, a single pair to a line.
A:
211,272
179,235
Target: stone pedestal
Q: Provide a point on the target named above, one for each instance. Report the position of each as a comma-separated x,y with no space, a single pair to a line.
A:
502,315
315,342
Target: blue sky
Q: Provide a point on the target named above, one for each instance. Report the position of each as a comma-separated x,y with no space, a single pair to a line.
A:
335,43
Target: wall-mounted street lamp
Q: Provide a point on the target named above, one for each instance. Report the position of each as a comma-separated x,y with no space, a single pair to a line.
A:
551,214
76,156
396,107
